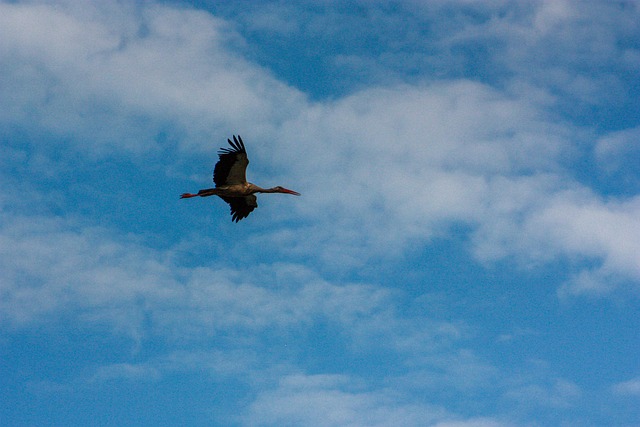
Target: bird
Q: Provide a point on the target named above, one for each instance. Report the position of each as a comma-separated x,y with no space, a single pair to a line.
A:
229,176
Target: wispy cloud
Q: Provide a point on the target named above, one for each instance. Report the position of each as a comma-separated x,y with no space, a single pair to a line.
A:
628,388
339,400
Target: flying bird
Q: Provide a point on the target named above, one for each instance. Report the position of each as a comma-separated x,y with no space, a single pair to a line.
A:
230,178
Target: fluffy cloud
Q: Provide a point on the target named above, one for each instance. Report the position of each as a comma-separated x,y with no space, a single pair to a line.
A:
406,163
121,78
573,224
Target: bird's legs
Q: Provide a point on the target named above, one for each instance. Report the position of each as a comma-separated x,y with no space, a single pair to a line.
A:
201,193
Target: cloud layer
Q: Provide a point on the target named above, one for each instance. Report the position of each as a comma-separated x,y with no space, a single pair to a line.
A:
475,129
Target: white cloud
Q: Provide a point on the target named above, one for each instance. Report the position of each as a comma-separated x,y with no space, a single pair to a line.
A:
346,400
406,163
628,388
114,80
573,224
618,149
580,52
53,266
124,370
592,228
560,393
341,400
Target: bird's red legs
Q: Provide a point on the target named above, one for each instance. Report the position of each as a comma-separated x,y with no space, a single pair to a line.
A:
202,193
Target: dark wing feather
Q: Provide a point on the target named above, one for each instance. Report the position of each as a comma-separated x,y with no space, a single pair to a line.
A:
241,207
232,166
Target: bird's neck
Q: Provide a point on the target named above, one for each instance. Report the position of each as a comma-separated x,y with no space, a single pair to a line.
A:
266,190
255,189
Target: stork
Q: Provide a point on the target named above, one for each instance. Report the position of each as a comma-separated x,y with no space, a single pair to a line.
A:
229,176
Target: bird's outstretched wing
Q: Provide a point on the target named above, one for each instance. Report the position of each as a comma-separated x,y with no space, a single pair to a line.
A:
232,166
241,207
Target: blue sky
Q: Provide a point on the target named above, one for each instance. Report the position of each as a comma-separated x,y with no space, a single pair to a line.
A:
465,252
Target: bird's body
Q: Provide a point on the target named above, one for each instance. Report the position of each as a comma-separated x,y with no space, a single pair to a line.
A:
229,176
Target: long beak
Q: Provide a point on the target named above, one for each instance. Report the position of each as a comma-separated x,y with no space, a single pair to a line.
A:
285,190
